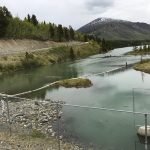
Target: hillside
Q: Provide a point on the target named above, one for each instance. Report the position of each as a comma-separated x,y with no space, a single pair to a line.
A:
26,54
113,29
13,47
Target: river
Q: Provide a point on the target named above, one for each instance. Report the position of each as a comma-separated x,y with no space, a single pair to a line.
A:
103,129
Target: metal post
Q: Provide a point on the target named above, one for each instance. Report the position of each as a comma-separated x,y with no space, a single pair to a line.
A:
133,107
135,145
126,65
58,134
8,116
146,142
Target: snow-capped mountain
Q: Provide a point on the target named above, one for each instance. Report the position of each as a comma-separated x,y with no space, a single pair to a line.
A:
114,29
104,20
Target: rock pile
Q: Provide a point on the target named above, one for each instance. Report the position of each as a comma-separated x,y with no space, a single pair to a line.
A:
29,115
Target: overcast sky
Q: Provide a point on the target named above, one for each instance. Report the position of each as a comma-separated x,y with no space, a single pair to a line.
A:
80,12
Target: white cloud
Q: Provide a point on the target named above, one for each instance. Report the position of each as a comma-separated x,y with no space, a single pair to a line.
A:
80,12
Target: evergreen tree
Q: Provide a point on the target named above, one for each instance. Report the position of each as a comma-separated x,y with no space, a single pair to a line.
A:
29,18
3,22
72,34
25,19
66,33
85,38
14,27
6,12
59,32
34,20
104,47
51,30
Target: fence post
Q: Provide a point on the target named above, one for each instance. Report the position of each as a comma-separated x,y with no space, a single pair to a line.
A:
58,126
133,107
146,142
8,113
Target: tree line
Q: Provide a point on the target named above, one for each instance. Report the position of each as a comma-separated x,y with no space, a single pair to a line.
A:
145,48
31,28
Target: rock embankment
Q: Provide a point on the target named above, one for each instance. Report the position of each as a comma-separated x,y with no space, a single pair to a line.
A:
32,115
32,124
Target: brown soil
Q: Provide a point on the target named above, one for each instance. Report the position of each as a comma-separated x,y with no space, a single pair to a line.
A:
9,47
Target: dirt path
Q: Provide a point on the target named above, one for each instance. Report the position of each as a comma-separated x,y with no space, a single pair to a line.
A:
12,47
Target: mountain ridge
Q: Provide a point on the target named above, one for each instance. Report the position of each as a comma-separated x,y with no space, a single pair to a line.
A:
116,29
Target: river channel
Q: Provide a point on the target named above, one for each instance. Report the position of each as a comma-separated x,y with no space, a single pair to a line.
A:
104,130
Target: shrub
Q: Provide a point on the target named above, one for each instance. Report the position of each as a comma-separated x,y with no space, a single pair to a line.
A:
37,134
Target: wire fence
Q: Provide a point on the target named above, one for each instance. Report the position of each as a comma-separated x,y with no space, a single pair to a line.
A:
75,128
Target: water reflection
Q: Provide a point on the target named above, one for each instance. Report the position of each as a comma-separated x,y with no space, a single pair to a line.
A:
94,126
108,130
31,79
142,75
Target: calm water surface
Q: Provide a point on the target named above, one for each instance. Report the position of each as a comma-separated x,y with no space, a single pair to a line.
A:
106,130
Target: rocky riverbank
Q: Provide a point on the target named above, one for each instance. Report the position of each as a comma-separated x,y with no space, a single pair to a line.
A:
32,115
34,126
31,124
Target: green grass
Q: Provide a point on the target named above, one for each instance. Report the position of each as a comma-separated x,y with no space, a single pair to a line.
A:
139,52
45,57
37,134
143,66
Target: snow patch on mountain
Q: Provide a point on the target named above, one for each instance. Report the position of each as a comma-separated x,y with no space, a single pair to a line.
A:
105,20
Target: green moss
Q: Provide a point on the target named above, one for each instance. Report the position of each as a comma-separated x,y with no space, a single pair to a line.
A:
78,83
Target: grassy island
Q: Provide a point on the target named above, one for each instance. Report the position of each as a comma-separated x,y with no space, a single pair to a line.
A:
143,66
76,82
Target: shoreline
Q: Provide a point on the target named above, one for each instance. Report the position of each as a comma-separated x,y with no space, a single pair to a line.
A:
36,120
60,53
143,67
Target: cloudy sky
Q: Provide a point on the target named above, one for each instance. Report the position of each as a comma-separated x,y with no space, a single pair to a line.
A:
80,12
